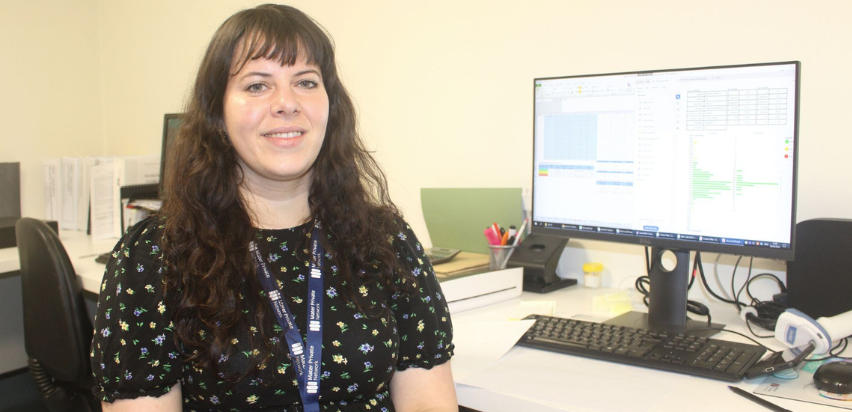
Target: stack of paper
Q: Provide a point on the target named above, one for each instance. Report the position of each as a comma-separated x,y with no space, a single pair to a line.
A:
84,193
66,185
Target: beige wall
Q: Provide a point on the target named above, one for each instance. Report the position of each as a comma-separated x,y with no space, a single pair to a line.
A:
49,88
443,87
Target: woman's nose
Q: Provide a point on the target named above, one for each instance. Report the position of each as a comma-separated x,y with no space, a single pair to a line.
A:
285,102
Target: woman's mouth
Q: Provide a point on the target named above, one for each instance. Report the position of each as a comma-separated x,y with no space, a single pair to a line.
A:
284,135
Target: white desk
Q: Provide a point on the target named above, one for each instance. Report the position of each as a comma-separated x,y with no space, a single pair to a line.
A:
527,379
81,249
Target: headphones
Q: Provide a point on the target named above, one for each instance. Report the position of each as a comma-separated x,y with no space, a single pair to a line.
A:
692,306
697,308
764,314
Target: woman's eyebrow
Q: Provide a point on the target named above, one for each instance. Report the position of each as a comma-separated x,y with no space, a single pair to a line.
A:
260,74
308,71
267,74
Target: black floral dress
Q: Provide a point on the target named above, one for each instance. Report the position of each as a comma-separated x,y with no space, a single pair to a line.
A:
134,352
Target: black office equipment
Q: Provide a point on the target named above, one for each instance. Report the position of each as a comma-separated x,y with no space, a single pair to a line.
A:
819,278
129,194
57,329
171,127
438,255
698,159
10,189
776,363
757,399
834,378
7,230
675,352
538,255
10,202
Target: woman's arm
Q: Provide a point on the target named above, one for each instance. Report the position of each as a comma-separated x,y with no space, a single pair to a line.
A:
169,402
420,390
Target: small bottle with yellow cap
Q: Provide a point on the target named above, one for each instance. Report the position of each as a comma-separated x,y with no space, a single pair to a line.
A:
592,274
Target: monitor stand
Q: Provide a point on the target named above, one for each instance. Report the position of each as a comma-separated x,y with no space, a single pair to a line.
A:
639,320
669,276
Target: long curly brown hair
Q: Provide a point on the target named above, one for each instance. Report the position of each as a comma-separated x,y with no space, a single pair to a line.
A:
207,225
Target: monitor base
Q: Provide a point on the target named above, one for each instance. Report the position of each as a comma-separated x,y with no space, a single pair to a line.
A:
559,283
639,320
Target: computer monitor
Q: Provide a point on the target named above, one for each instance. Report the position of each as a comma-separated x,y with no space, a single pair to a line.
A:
697,159
171,126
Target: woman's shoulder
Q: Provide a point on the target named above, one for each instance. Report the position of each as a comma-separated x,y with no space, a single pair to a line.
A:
137,257
147,230
141,242
133,353
405,234
408,248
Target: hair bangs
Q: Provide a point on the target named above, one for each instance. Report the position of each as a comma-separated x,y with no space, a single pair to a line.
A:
284,42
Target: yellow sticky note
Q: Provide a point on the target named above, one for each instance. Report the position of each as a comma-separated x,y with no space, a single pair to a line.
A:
613,304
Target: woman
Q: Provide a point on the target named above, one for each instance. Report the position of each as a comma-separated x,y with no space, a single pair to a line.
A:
278,275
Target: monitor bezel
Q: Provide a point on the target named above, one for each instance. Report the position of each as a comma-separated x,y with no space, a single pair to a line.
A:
681,244
164,148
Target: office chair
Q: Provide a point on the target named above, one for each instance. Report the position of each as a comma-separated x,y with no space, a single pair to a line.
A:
57,328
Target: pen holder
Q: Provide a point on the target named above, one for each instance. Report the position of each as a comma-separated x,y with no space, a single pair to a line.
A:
499,256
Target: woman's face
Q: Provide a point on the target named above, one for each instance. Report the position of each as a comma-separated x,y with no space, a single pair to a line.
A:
276,119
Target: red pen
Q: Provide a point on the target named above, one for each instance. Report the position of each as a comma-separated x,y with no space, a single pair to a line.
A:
490,236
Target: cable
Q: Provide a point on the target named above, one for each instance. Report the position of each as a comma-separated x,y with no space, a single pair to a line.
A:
834,352
692,273
704,280
735,299
743,286
640,284
748,321
765,314
718,280
699,309
764,275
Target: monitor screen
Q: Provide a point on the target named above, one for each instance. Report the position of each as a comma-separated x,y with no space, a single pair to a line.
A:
171,126
696,159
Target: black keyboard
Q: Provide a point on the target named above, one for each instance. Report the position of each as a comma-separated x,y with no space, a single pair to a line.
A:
676,352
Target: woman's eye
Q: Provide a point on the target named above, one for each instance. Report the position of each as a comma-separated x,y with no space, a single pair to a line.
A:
256,87
308,84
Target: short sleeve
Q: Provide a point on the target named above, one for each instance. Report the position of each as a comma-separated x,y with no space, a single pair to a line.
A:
133,352
422,316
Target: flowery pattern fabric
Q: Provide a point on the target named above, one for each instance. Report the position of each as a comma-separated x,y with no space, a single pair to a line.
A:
134,352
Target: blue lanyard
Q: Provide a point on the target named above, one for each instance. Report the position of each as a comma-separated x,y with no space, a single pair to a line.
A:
307,362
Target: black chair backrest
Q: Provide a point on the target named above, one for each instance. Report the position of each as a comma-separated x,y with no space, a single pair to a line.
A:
57,328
